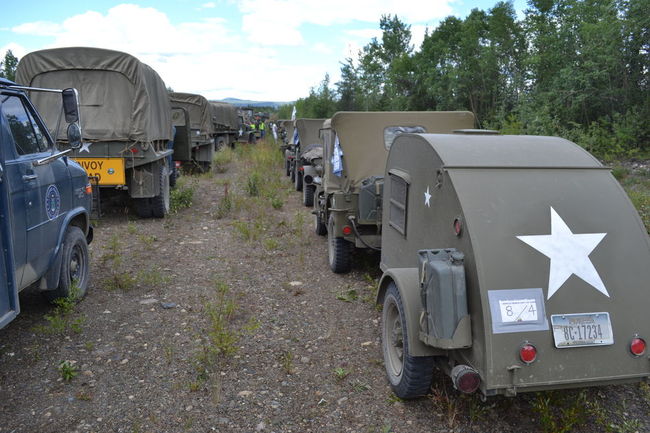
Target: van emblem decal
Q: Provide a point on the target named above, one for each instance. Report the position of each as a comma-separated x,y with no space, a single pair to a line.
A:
569,254
427,197
52,202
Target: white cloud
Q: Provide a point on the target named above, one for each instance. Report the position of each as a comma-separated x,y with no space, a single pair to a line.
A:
16,49
38,28
208,5
262,18
322,48
365,33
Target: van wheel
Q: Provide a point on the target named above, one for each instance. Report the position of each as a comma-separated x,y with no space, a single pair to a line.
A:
160,203
338,250
409,376
75,267
308,195
298,180
319,227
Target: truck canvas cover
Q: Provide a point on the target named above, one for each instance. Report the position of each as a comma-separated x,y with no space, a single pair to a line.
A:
362,138
121,98
197,107
224,115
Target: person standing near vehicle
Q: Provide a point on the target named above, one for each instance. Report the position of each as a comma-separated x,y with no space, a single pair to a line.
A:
274,129
262,129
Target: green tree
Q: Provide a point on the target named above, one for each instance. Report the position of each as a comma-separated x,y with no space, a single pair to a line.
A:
8,66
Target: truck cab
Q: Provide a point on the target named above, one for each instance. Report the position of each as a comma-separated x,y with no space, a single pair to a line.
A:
45,203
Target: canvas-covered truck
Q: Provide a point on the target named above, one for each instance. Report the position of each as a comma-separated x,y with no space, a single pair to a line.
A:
194,135
348,200
227,124
512,263
126,124
306,135
45,202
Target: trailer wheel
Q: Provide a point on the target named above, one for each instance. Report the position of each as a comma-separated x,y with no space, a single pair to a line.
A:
338,250
298,180
75,267
409,376
160,203
308,195
319,227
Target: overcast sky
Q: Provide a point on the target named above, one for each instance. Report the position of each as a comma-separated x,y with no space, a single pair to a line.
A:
248,49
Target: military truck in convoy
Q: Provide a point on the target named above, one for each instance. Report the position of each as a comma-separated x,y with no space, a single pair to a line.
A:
45,202
227,124
306,135
513,264
348,200
194,135
127,123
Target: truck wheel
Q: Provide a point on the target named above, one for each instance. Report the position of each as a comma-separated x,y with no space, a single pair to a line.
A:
308,195
75,267
319,227
298,180
409,376
160,203
338,250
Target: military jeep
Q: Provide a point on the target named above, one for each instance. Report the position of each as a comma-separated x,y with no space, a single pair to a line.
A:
127,123
306,134
348,200
513,264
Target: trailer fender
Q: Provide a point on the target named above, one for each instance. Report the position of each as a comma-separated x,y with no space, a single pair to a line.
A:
408,285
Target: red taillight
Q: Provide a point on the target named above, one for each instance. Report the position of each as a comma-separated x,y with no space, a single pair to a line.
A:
637,346
89,189
347,230
177,164
465,378
458,227
527,353
133,150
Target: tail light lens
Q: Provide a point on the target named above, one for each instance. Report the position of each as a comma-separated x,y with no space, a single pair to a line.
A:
89,189
465,378
458,227
637,346
347,230
527,353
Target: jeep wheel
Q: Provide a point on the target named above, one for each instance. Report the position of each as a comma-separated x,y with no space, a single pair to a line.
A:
298,180
409,376
308,195
287,167
338,250
319,227
292,171
75,267
160,203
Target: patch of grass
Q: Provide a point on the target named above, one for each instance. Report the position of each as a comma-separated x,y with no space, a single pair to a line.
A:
348,296
277,203
341,373
120,281
253,184
225,205
131,228
222,159
560,412
148,240
182,196
67,370
153,278
271,244
59,319
286,359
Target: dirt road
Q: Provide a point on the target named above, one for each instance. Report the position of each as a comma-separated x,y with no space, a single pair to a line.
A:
225,317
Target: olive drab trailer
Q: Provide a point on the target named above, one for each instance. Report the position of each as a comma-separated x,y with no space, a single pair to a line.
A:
126,122
226,124
194,135
307,132
347,204
513,263
45,202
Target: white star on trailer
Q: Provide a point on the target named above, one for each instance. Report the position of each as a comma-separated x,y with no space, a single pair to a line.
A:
427,197
85,147
569,254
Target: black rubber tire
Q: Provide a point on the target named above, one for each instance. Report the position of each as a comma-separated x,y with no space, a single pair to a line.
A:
292,171
172,178
297,183
75,266
319,226
142,207
308,195
160,203
287,167
409,376
338,251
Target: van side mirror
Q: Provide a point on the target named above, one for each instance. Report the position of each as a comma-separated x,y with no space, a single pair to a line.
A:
74,135
70,99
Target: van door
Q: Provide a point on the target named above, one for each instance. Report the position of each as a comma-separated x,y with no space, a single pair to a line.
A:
40,193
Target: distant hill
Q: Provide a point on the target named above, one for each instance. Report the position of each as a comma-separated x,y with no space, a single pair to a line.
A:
247,103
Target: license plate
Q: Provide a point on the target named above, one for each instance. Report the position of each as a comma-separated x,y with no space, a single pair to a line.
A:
578,330
110,171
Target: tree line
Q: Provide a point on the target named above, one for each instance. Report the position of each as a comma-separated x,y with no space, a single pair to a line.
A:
571,68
